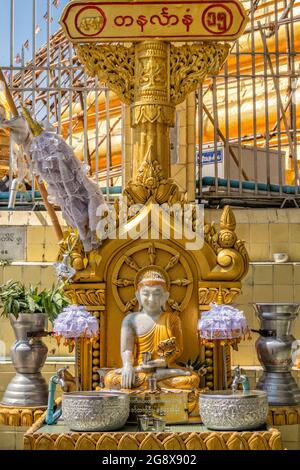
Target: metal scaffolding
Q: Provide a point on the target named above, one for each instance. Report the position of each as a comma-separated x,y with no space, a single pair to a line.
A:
248,122
248,119
55,88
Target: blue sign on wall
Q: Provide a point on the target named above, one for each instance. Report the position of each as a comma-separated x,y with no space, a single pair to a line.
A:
208,156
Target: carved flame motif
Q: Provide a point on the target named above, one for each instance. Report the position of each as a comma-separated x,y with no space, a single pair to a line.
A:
232,256
150,173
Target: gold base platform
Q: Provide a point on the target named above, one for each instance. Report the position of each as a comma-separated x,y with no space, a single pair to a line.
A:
177,437
284,415
24,417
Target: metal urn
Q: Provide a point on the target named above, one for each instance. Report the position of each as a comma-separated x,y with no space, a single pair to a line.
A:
274,350
28,388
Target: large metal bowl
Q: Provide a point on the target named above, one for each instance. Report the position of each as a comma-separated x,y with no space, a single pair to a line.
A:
95,411
225,410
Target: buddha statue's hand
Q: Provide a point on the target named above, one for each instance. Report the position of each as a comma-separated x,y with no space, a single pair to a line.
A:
127,376
159,363
151,366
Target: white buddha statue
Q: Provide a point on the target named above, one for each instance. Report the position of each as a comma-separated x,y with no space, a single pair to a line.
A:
155,333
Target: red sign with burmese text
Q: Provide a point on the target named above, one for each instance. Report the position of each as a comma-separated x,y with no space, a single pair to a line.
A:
99,21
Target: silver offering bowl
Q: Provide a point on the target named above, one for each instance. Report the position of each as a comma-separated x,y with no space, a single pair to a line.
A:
95,411
226,410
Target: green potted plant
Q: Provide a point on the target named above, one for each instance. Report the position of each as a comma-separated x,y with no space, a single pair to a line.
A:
29,310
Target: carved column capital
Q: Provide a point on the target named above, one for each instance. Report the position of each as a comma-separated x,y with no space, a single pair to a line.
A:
112,64
190,65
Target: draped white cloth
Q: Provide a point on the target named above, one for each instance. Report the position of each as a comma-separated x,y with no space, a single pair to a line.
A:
67,184
19,130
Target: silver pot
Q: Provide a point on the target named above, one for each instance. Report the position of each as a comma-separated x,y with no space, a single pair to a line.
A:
28,387
227,410
274,351
95,411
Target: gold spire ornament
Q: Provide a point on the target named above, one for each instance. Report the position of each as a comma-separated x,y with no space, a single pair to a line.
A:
34,126
220,299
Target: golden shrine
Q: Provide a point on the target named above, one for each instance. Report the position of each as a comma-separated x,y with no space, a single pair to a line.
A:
153,56
152,76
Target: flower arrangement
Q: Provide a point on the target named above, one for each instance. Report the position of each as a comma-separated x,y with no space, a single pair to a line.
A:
75,322
72,324
223,322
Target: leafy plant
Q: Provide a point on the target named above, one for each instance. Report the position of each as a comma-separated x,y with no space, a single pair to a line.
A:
15,298
195,364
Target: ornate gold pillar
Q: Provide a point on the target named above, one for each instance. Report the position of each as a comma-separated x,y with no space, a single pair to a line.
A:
152,77
91,356
152,113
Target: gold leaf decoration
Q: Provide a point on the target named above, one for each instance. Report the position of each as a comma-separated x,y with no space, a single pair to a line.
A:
215,442
128,442
131,263
152,253
173,442
194,442
236,442
44,442
150,172
111,64
107,442
258,442
227,221
181,282
26,418
172,262
3,415
123,282
275,442
151,443
14,418
28,442
85,443
130,305
190,64
174,305
64,442
207,295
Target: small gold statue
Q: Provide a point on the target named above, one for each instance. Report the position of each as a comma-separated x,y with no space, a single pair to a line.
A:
151,341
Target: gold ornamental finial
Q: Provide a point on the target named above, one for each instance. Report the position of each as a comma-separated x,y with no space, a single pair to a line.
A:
220,300
34,126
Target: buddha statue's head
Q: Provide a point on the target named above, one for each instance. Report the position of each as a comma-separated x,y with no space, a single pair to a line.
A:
152,291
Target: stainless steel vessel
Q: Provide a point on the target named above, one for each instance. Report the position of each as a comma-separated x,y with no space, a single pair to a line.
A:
95,411
229,410
28,387
274,350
